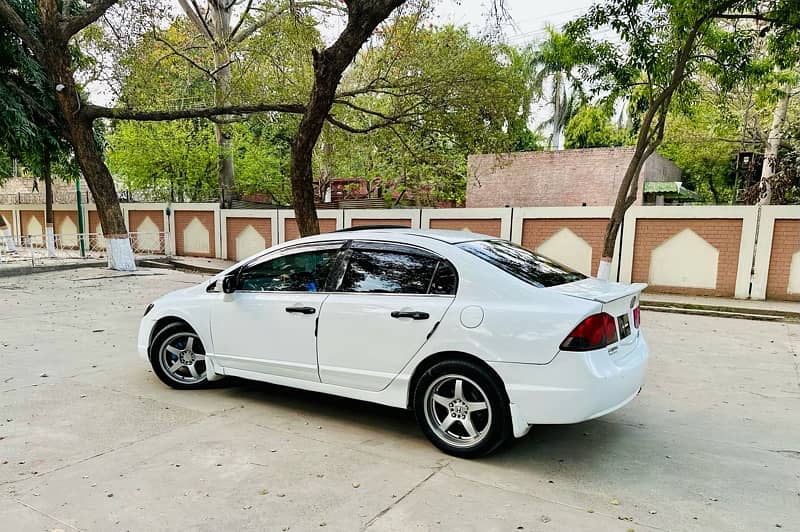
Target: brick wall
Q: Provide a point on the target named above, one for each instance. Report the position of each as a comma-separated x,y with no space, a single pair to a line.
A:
486,226
535,231
557,178
60,216
724,234
183,219
135,219
358,222
237,225
326,225
785,243
8,216
25,217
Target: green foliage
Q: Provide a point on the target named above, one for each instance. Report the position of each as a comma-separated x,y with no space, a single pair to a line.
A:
700,143
554,63
166,160
30,122
592,127
447,94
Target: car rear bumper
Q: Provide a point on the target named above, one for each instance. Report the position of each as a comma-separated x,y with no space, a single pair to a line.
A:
573,387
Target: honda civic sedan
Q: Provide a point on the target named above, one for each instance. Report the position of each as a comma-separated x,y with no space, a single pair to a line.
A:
481,338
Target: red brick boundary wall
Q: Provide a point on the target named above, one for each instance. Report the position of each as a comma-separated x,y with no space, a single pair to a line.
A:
235,225
25,217
699,250
136,217
674,249
182,220
359,222
785,244
8,216
291,232
536,231
723,234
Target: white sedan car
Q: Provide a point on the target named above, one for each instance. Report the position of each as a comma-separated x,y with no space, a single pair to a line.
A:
480,337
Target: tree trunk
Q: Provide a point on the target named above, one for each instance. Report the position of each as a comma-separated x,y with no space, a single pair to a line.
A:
221,27
363,16
555,136
48,205
80,132
773,144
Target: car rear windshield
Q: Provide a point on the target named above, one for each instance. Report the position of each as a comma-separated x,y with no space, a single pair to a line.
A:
521,263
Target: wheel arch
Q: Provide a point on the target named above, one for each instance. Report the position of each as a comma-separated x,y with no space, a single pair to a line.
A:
164,322
433,359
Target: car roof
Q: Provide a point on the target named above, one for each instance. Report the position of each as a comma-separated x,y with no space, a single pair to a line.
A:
444,235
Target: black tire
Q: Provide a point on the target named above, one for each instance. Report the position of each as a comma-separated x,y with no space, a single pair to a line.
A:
492,426
171,336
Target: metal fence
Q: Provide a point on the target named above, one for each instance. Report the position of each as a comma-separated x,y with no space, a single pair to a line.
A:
31,250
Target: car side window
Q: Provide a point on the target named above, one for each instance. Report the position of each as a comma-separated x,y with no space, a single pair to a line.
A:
445,280
389,272
299,272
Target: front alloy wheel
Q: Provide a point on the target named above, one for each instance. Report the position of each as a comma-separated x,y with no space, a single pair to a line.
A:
462,409
178,357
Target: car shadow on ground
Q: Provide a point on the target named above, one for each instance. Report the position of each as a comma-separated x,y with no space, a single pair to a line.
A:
544,446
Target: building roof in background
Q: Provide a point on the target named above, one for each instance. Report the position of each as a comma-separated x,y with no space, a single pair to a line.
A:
669,187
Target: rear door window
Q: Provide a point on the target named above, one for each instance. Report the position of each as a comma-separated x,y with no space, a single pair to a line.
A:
396,269
523,264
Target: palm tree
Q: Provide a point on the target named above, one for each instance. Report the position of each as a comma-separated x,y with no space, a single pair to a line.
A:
553,60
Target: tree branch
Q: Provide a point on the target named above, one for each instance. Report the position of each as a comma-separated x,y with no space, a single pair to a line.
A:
18,26
196,19
185,57
269,16
74,24
93,112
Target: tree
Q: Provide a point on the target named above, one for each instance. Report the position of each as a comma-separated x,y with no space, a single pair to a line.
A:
553,61
591,127
230,30
27,134
437,120
666,43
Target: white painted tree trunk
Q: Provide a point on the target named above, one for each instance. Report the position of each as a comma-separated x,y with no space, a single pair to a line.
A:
120,254
773,144
51,241
604,269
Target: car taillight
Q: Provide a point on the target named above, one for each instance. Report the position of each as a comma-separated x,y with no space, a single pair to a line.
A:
595,332
637,316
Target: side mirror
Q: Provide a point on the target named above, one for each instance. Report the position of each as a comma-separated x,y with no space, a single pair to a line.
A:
229,284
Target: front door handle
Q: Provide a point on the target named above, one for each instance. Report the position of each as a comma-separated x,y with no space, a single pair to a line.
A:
414,315
301,310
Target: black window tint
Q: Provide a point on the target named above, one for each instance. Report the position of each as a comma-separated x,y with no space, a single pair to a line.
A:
521,263
445,280
300,272
388,272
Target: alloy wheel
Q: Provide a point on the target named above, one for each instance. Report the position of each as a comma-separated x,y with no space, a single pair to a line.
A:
458,410
183,358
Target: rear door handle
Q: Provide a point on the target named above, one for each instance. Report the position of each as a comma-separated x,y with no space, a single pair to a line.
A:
301,310
414,315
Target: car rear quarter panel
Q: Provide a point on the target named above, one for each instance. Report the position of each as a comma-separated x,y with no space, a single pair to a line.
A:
521,323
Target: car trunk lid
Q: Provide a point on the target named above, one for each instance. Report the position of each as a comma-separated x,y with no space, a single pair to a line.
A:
617,299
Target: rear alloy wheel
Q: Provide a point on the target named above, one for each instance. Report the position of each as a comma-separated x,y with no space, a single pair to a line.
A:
178,357
461,409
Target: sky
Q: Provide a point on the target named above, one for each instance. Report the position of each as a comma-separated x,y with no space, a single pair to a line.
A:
528,17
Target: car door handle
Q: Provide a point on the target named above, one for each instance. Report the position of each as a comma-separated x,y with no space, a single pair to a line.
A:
301,310
414,315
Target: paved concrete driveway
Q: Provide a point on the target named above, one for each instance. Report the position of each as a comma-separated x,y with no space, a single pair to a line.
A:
712,443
